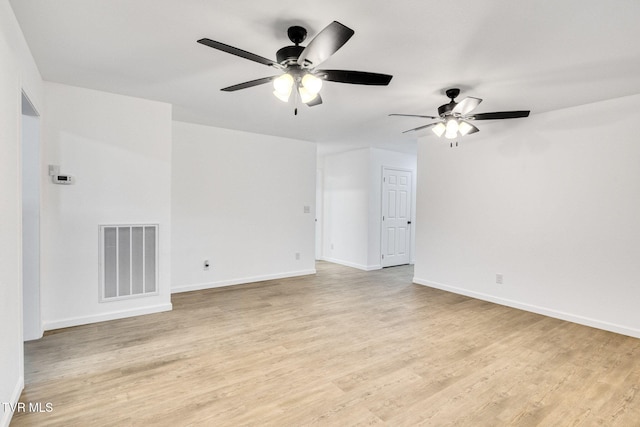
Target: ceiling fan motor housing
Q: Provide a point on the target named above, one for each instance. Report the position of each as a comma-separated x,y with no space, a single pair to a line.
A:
297,34
445,109
452,93
289,54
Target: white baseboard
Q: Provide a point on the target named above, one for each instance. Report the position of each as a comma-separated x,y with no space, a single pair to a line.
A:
75,321
240,281
594,323
38,336
352,264
5,420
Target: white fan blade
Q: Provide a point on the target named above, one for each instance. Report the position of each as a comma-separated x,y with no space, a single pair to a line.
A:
466,106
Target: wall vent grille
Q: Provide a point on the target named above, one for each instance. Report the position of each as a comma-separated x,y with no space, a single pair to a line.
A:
128,261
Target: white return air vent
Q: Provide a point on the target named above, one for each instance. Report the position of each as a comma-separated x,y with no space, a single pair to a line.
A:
128,261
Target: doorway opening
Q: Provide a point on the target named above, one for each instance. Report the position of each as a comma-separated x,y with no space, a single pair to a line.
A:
30,149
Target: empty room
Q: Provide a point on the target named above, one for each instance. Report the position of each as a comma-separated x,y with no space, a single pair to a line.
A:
319,213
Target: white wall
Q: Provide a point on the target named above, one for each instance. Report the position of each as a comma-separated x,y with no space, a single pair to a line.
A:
551,202
353,204
238,201
17,72
347,189
119,150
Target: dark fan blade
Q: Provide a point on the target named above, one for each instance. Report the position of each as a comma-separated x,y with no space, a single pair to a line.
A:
501,115
467,105
316,101
325,44
421,127
355,77
252,83
413,115
239,52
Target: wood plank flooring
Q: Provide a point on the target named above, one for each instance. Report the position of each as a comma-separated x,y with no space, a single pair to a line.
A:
343,347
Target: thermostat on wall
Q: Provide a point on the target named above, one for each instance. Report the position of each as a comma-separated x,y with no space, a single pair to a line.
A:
63,179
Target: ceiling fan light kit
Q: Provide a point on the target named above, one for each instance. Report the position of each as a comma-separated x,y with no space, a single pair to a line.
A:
305,96
451,129
308,86
311,83
465,128
439,129
282,87
299,65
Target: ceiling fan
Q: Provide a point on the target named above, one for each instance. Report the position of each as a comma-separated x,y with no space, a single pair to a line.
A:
455,116
299,65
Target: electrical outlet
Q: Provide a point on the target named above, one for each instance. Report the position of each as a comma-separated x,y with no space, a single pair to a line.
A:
499,278
332,246
298,256
206,265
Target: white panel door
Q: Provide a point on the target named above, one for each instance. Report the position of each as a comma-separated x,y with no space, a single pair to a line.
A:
396,217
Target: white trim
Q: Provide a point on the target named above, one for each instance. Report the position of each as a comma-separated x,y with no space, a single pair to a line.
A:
40,331
353,264
240,281
15,398
113,315
587,321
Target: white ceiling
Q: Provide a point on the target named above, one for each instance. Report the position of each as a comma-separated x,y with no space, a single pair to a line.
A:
536,54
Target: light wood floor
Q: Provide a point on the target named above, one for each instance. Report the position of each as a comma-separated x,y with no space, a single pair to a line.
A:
343,347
